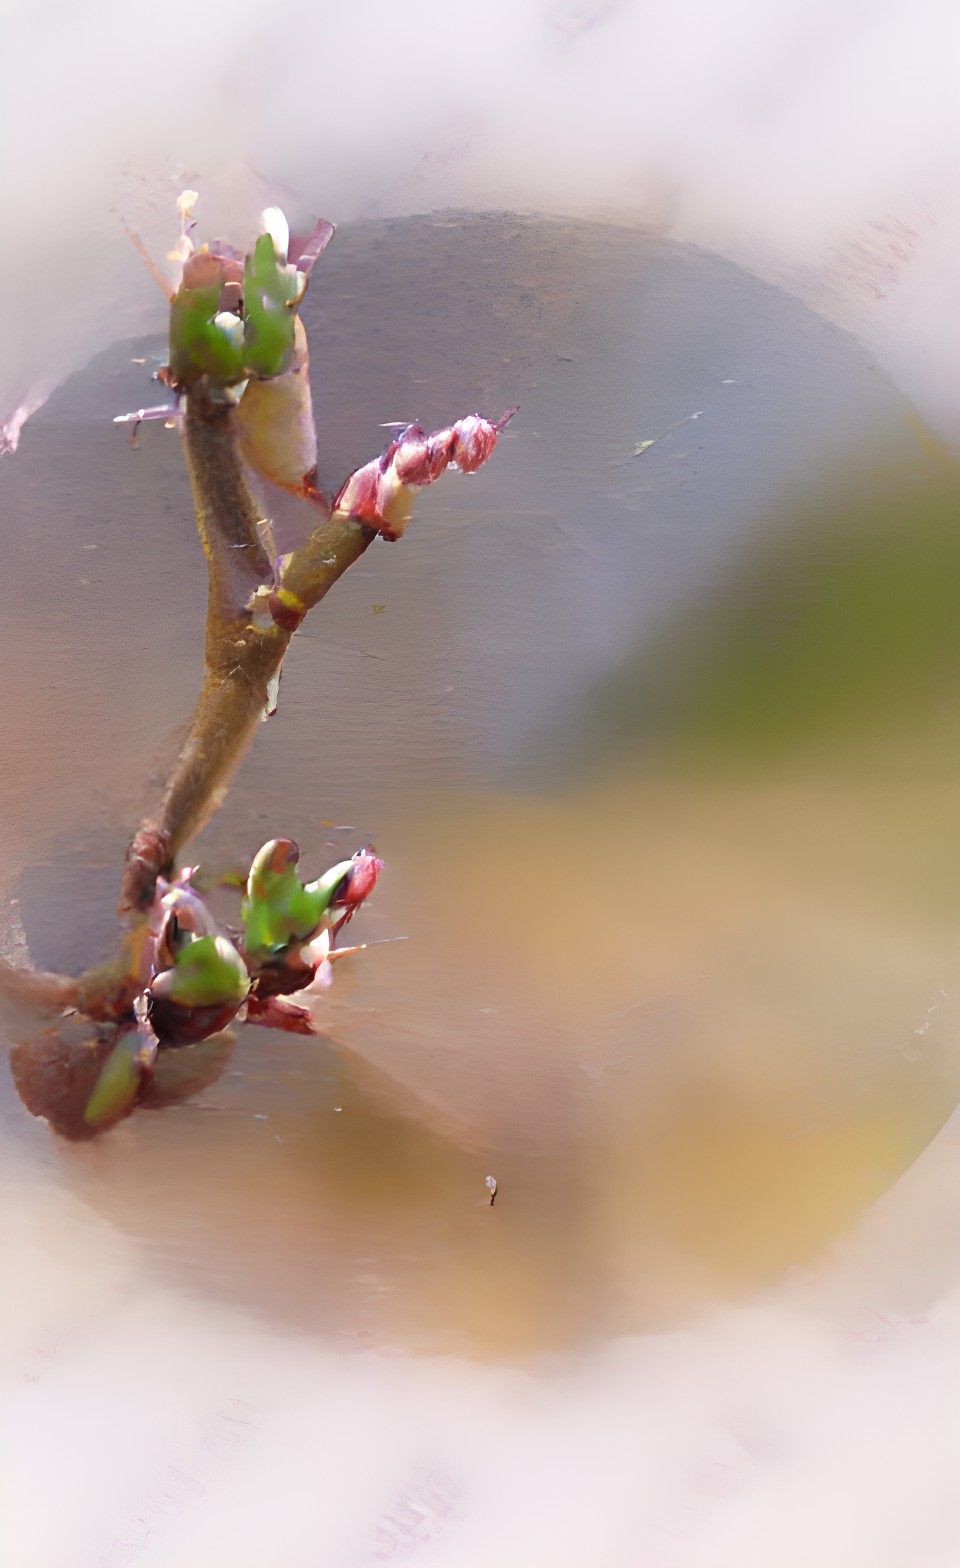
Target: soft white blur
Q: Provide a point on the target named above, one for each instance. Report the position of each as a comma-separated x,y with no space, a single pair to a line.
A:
819,1424
816,143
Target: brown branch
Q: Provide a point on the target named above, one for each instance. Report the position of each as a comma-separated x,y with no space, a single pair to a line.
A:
249,625
105,992
252,613
36,990
311,571
253,609
254,605
228,518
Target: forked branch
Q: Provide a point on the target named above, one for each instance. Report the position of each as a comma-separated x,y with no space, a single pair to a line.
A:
240,375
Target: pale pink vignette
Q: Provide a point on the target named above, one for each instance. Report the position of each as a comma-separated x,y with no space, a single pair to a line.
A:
419,1514
183,1483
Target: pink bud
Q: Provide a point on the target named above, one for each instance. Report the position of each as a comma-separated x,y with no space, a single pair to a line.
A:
381,493
394,504
419,460
474,440
360,880
440,446
410,457
358,498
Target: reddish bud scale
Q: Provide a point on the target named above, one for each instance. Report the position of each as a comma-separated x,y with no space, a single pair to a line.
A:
381,493
204,268
175,1025
201,271
360,880
147,856
279,1012
421,459
358,498
286,609
284,853
474,440
282,978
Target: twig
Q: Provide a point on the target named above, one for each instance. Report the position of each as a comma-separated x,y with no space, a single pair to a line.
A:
176,978
245,642
37,990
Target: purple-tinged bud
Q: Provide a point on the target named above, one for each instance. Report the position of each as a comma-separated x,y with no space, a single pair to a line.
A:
360,880
420,459
394,505
358,498
381,493
309,249
411,459
440,446
474,440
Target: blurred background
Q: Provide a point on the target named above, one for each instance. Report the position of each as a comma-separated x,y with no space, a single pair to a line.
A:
655,724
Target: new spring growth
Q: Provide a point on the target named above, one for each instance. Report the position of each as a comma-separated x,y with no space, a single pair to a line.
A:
196,980
382,493
280,912
380,497
239,372
235,317
234,326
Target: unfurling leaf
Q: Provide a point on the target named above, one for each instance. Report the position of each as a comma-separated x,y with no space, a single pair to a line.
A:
207,971
203,340
271,292
121,1080
195,981
234,320
280,912
56,1071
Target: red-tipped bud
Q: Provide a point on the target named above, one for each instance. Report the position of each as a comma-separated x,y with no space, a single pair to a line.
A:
440,446
474,440
360,880
358,498
381,493
420,460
